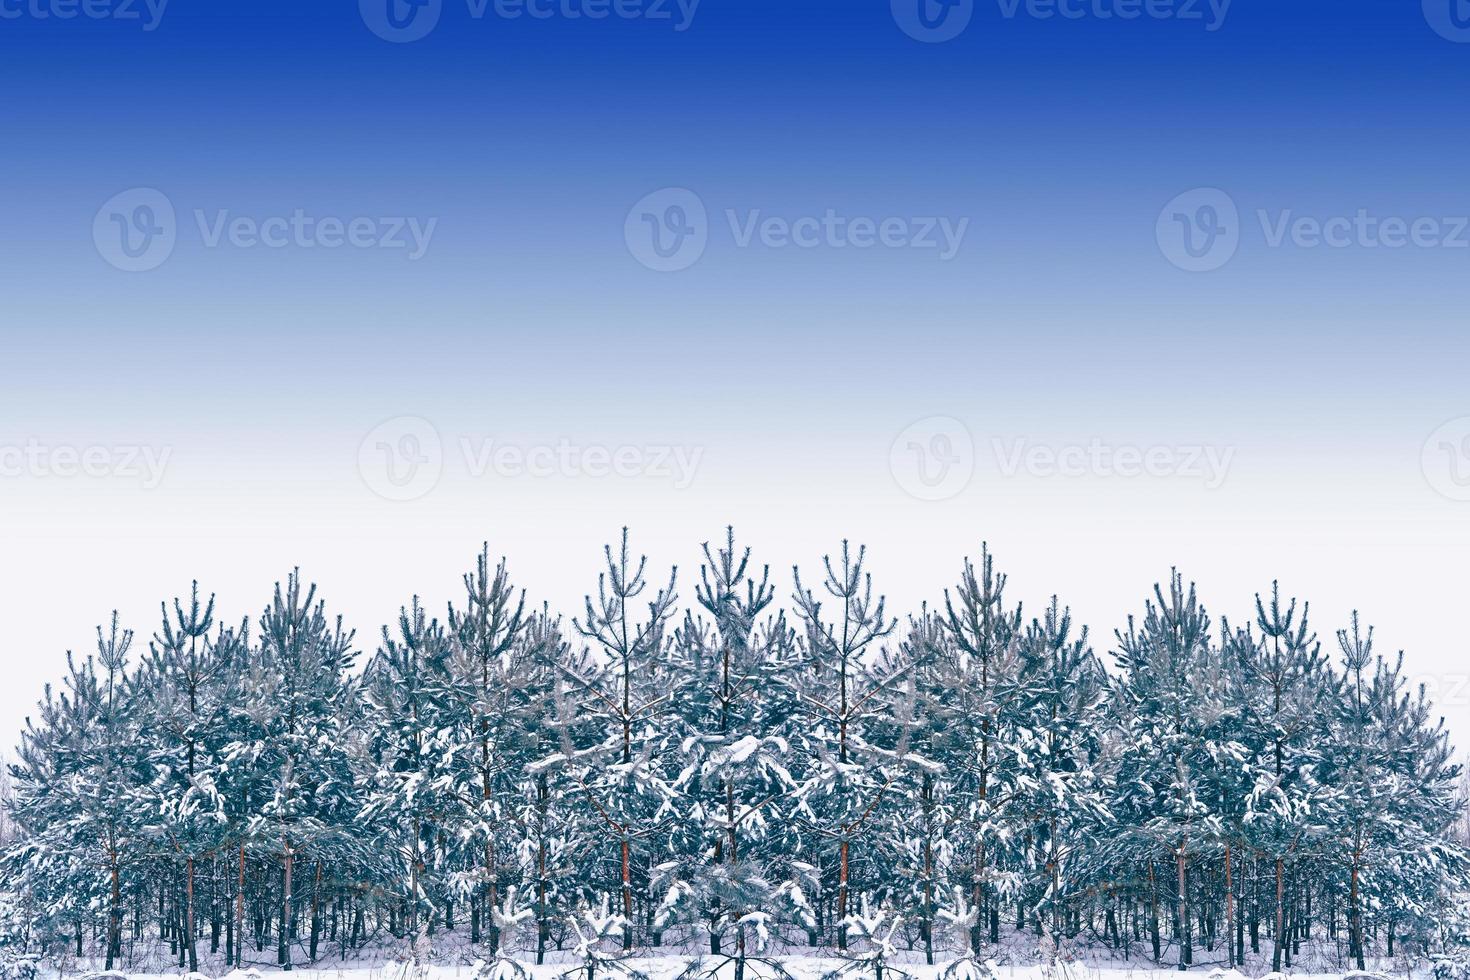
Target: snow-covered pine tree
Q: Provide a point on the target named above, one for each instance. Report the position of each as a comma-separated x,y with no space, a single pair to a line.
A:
7,804
917,852
183,688
842,690
1291,687
1428,870
629,693
1395,805
1232,751
974,696
410,803
1062,694
556,833
246,783
730,874
307,746
1161,721
80,766
491,675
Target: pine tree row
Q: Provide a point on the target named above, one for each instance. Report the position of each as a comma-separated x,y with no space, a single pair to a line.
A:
732,776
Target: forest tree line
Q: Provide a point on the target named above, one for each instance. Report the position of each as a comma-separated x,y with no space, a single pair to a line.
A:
731,775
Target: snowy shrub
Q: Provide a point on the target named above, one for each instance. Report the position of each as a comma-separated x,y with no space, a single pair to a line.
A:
18,966
970,968
734,968
508,916
1221,973
498,969
872,932
599,943
1453,965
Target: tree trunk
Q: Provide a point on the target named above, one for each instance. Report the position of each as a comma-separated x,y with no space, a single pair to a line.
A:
316,921
240,910
1153,911
842,897
114,917
1229,910
1186,945
1355,922
1280,937
627,893
283,951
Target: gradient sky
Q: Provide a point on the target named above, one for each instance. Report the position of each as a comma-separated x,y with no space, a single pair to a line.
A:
1325,372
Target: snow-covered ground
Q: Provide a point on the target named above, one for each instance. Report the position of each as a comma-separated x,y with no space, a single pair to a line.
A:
799,966
803,968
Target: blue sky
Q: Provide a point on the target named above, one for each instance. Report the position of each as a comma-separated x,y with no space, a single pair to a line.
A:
523,149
